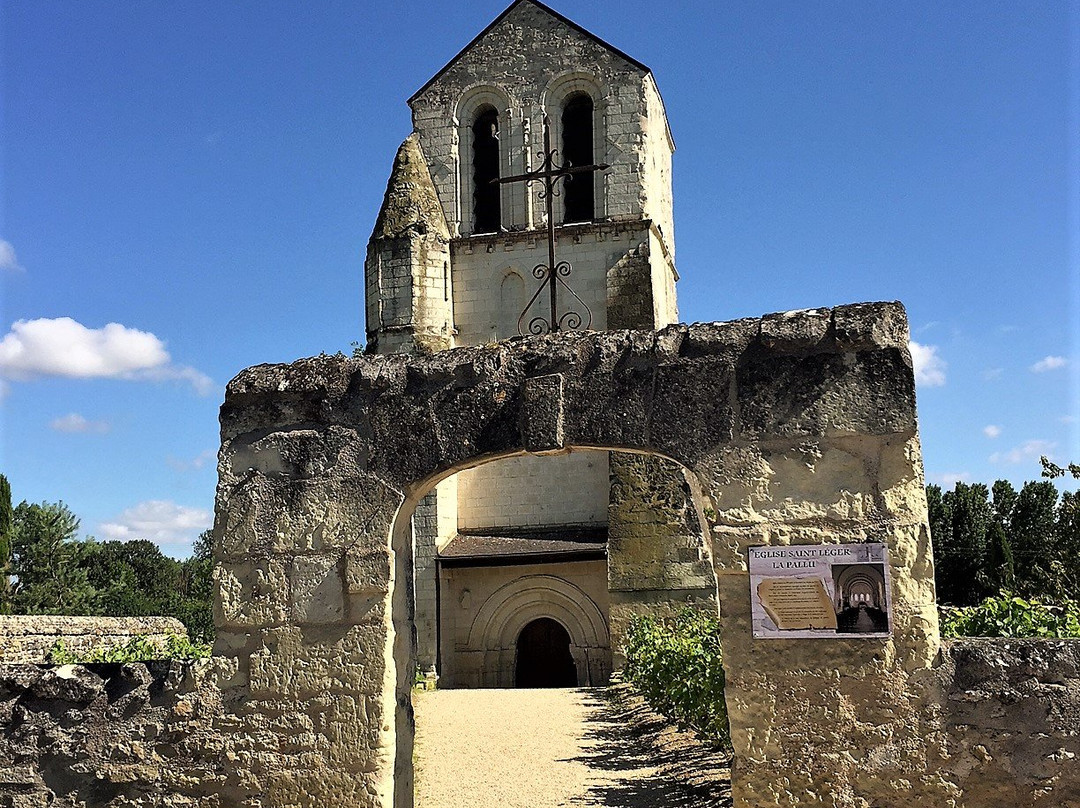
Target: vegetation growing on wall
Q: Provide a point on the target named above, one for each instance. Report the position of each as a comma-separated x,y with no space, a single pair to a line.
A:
1012,616
675,663
137,649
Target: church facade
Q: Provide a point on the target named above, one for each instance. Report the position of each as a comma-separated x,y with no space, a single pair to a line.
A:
526,569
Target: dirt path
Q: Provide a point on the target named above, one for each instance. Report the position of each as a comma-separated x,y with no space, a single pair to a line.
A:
548,748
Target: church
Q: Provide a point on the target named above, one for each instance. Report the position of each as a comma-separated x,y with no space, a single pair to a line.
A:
526,569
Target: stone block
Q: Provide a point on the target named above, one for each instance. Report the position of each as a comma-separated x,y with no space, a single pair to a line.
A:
252,594
867,393
295,662
317,588
542,414
869,326
796,331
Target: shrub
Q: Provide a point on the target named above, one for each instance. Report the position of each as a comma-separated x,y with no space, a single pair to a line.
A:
137,649
1011,616
675,663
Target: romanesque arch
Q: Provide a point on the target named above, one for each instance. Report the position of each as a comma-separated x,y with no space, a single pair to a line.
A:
795,429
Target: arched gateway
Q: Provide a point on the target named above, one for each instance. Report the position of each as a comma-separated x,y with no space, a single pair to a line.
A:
795,429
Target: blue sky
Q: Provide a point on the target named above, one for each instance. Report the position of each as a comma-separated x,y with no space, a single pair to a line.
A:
205,175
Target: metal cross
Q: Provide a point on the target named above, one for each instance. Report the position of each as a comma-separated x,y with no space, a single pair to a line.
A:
552,273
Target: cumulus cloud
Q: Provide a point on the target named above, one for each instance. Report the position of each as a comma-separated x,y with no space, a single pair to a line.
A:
991,431
9,262
1049,363
1027,452
162,522
65,348
929,366
949,478
73,422
194,464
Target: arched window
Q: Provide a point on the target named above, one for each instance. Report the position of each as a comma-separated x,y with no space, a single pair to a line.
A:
487,217
577,148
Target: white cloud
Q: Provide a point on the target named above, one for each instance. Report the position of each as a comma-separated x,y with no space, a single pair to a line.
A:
196,463
162,522
949,478
73,422
929,367
991,431
993,374
9,262
1049,363
65,348
1027,452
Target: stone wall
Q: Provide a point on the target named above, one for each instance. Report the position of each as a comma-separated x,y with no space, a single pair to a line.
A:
657,558
1011,722
792,428
1004,718
133,735
29,638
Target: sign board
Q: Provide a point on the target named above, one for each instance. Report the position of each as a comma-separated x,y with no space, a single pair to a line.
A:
820,590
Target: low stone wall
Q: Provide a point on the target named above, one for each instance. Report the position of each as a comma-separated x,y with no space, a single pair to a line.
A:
136,735
1011,720
1003,730
28,638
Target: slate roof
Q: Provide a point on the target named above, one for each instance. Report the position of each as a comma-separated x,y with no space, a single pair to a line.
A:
541,545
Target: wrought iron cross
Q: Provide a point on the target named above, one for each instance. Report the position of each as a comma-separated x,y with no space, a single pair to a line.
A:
551,274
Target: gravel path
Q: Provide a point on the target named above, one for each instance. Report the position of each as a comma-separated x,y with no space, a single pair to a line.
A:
548,748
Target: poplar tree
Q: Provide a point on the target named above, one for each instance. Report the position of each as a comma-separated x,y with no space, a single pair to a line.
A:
7,527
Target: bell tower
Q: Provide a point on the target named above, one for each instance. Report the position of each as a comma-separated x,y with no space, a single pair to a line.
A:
454,261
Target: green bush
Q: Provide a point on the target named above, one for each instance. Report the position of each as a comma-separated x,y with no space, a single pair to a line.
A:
676,665
137,649
1011,616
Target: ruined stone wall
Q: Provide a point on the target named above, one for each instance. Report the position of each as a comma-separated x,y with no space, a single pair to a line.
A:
794,428
657,557
135,735
29,638
1010,722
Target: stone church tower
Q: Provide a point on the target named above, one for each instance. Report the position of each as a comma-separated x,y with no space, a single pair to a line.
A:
526,569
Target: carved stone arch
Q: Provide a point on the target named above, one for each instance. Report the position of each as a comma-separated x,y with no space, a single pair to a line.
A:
552,100
472,101
507,611
510,608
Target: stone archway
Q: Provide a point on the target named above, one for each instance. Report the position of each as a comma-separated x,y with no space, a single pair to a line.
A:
795,429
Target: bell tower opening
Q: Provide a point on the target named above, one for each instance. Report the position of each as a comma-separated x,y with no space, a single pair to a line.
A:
487,213
577,149
543,656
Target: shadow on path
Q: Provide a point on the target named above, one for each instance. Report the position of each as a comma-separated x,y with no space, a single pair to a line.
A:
645,761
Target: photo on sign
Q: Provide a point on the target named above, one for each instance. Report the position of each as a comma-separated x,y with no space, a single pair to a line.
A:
818,591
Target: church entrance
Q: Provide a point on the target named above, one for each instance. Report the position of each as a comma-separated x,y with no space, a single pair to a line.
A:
543,656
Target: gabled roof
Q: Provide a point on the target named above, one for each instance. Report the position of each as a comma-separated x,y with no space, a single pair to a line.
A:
564,20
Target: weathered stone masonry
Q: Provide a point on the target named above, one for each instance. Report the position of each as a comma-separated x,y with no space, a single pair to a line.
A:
794,428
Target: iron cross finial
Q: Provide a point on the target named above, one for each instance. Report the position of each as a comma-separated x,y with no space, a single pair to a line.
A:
552,274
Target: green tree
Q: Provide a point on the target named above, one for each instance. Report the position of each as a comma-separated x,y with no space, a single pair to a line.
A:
1031,534
1000,569
46,561
959,521
7,529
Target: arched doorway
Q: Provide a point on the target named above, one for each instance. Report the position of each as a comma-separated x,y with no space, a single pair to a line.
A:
543,656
